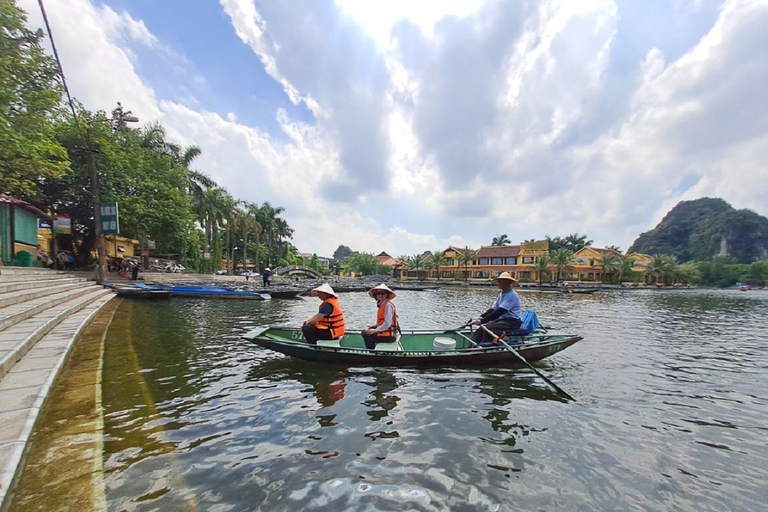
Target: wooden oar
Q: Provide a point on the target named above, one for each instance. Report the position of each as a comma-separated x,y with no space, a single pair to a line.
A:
529,365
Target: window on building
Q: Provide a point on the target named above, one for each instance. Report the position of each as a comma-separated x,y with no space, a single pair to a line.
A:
496,261
483,261
510,261
449,262
528,260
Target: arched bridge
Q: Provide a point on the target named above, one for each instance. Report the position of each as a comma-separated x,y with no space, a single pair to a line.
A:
297,270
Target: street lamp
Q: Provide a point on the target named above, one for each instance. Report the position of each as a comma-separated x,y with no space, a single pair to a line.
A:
101,271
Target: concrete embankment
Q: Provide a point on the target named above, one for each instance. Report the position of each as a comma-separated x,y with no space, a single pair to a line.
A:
41,314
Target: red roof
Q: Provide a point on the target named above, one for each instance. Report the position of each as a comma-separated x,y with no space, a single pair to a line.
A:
498,251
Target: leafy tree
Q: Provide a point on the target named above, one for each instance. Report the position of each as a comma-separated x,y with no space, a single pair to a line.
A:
341,252
501,240
30,94
437,260
624,268
561,260
609,264
688,272
365,264
662,268
573,242
465,257
542,264
417,261
758,272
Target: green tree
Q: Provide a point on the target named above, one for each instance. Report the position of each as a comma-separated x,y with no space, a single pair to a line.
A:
624,268
501,240
610,264
662,268
543,261
465,257
561,260
30,95
437,260
341,252
573,242
364,263
417,261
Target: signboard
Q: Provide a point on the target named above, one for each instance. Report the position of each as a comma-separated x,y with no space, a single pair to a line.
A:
110,223
206,255
62,225
43,223
150,244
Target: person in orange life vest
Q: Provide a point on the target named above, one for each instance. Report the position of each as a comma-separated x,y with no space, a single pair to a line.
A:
328,323
386,326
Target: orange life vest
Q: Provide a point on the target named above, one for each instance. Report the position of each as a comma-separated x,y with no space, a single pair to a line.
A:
334,321
389,333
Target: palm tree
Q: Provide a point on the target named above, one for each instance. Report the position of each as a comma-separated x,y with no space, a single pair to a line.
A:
688,272
437,260
465,257
418,261
624,268
662,268
609,264
501,240
561,260
543,261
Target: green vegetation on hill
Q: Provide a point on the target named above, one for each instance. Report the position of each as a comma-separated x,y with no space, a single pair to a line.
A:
705,228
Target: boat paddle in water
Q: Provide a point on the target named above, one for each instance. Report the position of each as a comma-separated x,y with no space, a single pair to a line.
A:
500,339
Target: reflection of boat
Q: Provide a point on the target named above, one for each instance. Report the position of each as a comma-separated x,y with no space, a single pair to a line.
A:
213,292
141,291
414,348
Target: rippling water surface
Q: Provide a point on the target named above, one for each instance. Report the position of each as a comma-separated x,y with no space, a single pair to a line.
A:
671,410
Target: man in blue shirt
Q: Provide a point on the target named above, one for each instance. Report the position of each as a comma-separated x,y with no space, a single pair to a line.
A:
505,313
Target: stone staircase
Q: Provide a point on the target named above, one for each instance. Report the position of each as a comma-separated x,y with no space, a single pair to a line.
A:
41,313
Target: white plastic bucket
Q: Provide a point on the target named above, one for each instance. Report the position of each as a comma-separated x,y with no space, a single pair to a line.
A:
441,343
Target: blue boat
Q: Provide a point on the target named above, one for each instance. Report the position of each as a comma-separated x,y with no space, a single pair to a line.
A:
213,292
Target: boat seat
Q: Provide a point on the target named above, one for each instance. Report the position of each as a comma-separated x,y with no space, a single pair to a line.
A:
395,346
330,343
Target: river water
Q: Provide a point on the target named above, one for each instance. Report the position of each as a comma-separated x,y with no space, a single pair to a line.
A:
670,410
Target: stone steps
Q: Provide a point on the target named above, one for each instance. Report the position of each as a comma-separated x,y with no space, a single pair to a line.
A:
41,313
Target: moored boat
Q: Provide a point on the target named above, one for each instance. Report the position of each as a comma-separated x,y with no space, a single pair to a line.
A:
214,292
142,292
414,348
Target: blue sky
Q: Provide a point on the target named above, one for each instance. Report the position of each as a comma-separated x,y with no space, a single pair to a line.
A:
406,126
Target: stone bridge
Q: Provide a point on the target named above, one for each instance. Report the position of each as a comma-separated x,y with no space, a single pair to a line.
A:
297,270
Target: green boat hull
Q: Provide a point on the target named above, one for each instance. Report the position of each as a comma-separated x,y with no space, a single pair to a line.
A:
415,348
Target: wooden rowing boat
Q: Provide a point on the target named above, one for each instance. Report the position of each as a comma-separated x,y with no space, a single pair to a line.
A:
414,348
142,292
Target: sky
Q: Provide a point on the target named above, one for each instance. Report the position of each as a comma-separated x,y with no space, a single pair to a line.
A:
409,126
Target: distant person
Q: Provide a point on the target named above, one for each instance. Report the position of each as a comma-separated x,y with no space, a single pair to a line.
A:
265,276
386,328
505,313
134,271
247,275
328,323
44,257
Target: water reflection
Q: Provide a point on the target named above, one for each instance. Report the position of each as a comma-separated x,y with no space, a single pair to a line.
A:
670,409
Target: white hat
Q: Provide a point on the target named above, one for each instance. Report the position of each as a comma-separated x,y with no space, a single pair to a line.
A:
504,275
267,269
324,288
391,294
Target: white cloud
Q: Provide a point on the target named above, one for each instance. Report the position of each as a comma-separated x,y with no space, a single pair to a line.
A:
448,123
